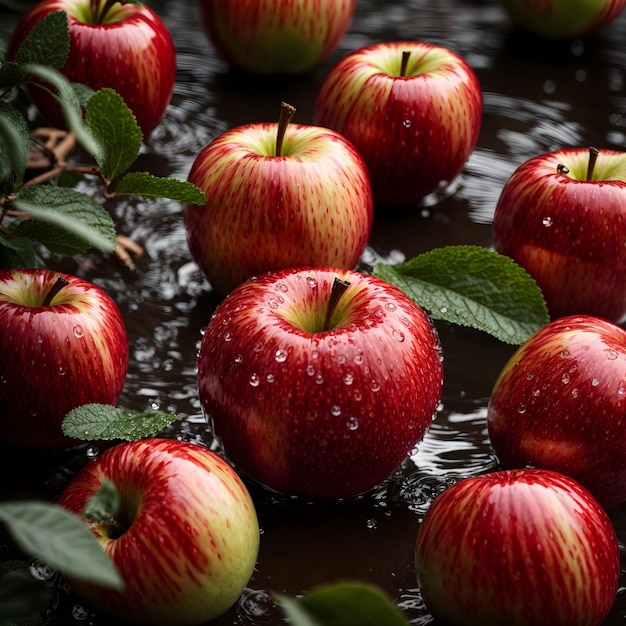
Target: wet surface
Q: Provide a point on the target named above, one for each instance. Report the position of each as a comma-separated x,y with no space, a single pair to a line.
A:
538,96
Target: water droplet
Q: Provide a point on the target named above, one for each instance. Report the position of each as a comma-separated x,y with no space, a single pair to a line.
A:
547,221
530,377
311,282
348,379
78,331
398,335
319,379
341,359
621,390
315,354
375,386
92,452
352,423
273,304
228,336
358,395
310,370
565,378
254,380
281,356
521,408
575,393
564,354
371,524
335,410
595,382
390,306
41,571
358,359
281,286
406,123
239,359
62,370
79,612
270,378
39,338
612,355
258,346
443,309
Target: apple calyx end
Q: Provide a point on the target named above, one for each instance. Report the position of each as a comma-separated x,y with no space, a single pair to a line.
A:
287,111
338,289
52,292
406,54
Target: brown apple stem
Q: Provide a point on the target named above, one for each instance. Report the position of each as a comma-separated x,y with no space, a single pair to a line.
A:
405,61
58,285
593,157
338,289
286,114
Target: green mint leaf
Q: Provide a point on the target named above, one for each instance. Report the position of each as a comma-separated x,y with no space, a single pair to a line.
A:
48,43
103,505
105,422
21,595
472,286
345,603
144,184
64,220
115,127
14,148
52,534
71,106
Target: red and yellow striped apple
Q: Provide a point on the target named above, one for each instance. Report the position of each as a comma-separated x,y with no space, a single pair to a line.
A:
186,536
317,393
562,217
278,195
527,547
126,47
412,109
560,403
63,344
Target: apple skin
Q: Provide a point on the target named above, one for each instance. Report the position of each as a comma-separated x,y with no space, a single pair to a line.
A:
563,19
55,357
275,36
523,547
308,412
568,232
311,206
415,130
560,404
191,535
131,52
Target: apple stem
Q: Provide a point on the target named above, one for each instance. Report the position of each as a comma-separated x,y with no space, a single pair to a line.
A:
338,289
58,285
286,114
405,61
593,157
99,13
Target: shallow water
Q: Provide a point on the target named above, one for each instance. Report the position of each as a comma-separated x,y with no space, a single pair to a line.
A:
538,96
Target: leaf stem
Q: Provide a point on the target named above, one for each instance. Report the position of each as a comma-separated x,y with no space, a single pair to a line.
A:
286,114
593,157
58,285
405,61
337,291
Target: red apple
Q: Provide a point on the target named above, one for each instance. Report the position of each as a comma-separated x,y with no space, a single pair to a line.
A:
563,19
315,393
278,196
562,217
63,344
126,47
412,109
560,403
186,536
527,547
275,36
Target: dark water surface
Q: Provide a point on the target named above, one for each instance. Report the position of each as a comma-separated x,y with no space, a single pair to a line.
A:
539,96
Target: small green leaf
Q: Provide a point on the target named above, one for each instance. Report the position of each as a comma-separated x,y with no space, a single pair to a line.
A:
472,286
115,127
17,252
343,604
11,74
14,148
64,220
60,539
144,184
70,104
103,505
105,422
48,43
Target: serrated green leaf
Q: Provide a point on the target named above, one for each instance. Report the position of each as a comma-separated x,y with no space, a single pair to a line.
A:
48,42
103,505
105,422
115,127
475,287
145,184
343,604
64,220
60,539
14,148
71,106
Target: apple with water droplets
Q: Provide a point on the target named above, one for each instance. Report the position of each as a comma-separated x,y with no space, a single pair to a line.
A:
562,217
279,195
560,403
63,344
124,46
413,110
319,381
185,538
563,19
275,36
528,547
